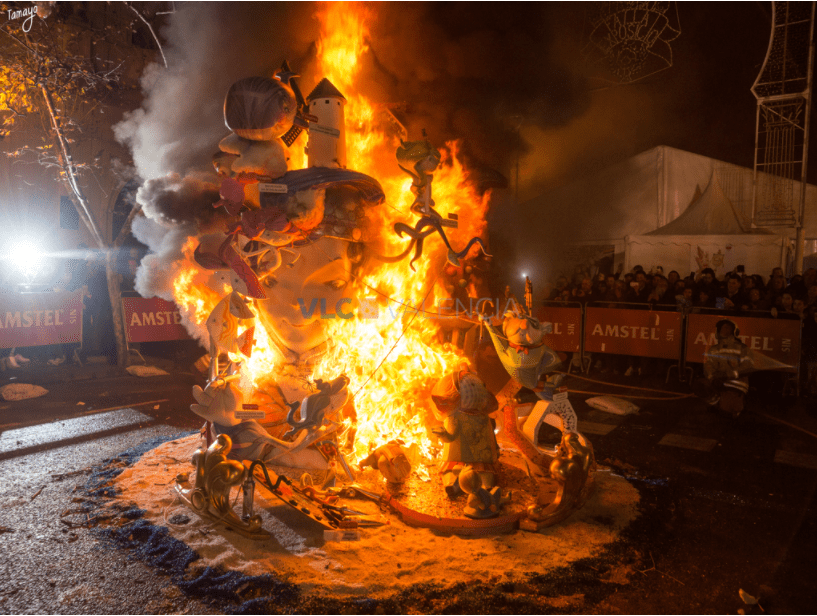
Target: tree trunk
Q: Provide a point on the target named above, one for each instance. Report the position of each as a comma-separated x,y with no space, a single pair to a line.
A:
115,296
83,208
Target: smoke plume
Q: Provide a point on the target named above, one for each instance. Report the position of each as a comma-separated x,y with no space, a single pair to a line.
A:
507,79
470,78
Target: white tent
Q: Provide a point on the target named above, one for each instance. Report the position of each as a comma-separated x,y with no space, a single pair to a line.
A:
709,233
605,211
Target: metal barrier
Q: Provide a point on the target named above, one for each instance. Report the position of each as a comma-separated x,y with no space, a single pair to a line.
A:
639,332
778,338
568,324
663,332
151,319
39,319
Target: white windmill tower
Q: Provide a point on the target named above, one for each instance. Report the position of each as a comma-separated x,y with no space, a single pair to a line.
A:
327,136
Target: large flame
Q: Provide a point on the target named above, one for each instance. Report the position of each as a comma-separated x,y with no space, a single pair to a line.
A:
393,361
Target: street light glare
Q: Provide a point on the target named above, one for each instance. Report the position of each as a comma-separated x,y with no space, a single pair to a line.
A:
25,256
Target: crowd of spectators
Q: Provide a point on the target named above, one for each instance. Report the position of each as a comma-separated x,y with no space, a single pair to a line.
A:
737,292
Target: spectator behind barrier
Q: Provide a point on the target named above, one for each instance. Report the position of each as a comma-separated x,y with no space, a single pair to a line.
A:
809,278
707,281
683,300
731,297
703,299
561,285
600,292
777,284
583,293
660,296
809,353
639,292
799,307
672,278
796,286
748,283
755,301
811,295
785,304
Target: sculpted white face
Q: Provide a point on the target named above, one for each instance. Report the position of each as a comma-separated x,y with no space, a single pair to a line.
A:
318,271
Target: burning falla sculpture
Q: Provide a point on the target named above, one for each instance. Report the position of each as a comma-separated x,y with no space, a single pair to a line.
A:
304,233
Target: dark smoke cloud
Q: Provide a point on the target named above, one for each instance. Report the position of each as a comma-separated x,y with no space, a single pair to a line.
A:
461,71
474,72
173,199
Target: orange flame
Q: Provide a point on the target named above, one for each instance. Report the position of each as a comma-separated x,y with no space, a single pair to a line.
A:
394,362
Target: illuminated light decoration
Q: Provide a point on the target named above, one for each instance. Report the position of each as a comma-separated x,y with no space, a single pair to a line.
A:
631,40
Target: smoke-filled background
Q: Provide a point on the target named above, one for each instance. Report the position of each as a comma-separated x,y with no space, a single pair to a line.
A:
507,79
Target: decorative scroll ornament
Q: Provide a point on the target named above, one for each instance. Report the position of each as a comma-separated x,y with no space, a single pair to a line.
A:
419,159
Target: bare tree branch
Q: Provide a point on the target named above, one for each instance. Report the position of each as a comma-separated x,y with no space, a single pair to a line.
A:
68,168
152,32
21,43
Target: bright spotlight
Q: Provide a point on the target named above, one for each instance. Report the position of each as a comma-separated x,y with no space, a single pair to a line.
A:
25,256
524,275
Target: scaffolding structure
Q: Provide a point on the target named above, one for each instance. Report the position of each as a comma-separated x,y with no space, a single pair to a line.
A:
783,93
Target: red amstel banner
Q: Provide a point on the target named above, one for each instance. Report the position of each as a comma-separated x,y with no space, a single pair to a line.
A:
37,319
644,333
151,319
775,338
567,327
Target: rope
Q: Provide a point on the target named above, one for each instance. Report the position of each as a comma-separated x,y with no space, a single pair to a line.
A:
601,393
414,316
400,337
786,423
584,378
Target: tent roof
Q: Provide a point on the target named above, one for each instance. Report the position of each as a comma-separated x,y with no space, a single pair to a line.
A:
710,213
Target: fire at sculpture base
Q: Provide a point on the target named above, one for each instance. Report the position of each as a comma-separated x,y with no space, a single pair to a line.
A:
425,503
383,560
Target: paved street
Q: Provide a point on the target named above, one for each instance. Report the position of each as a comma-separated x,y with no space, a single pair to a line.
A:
726,505
739,498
